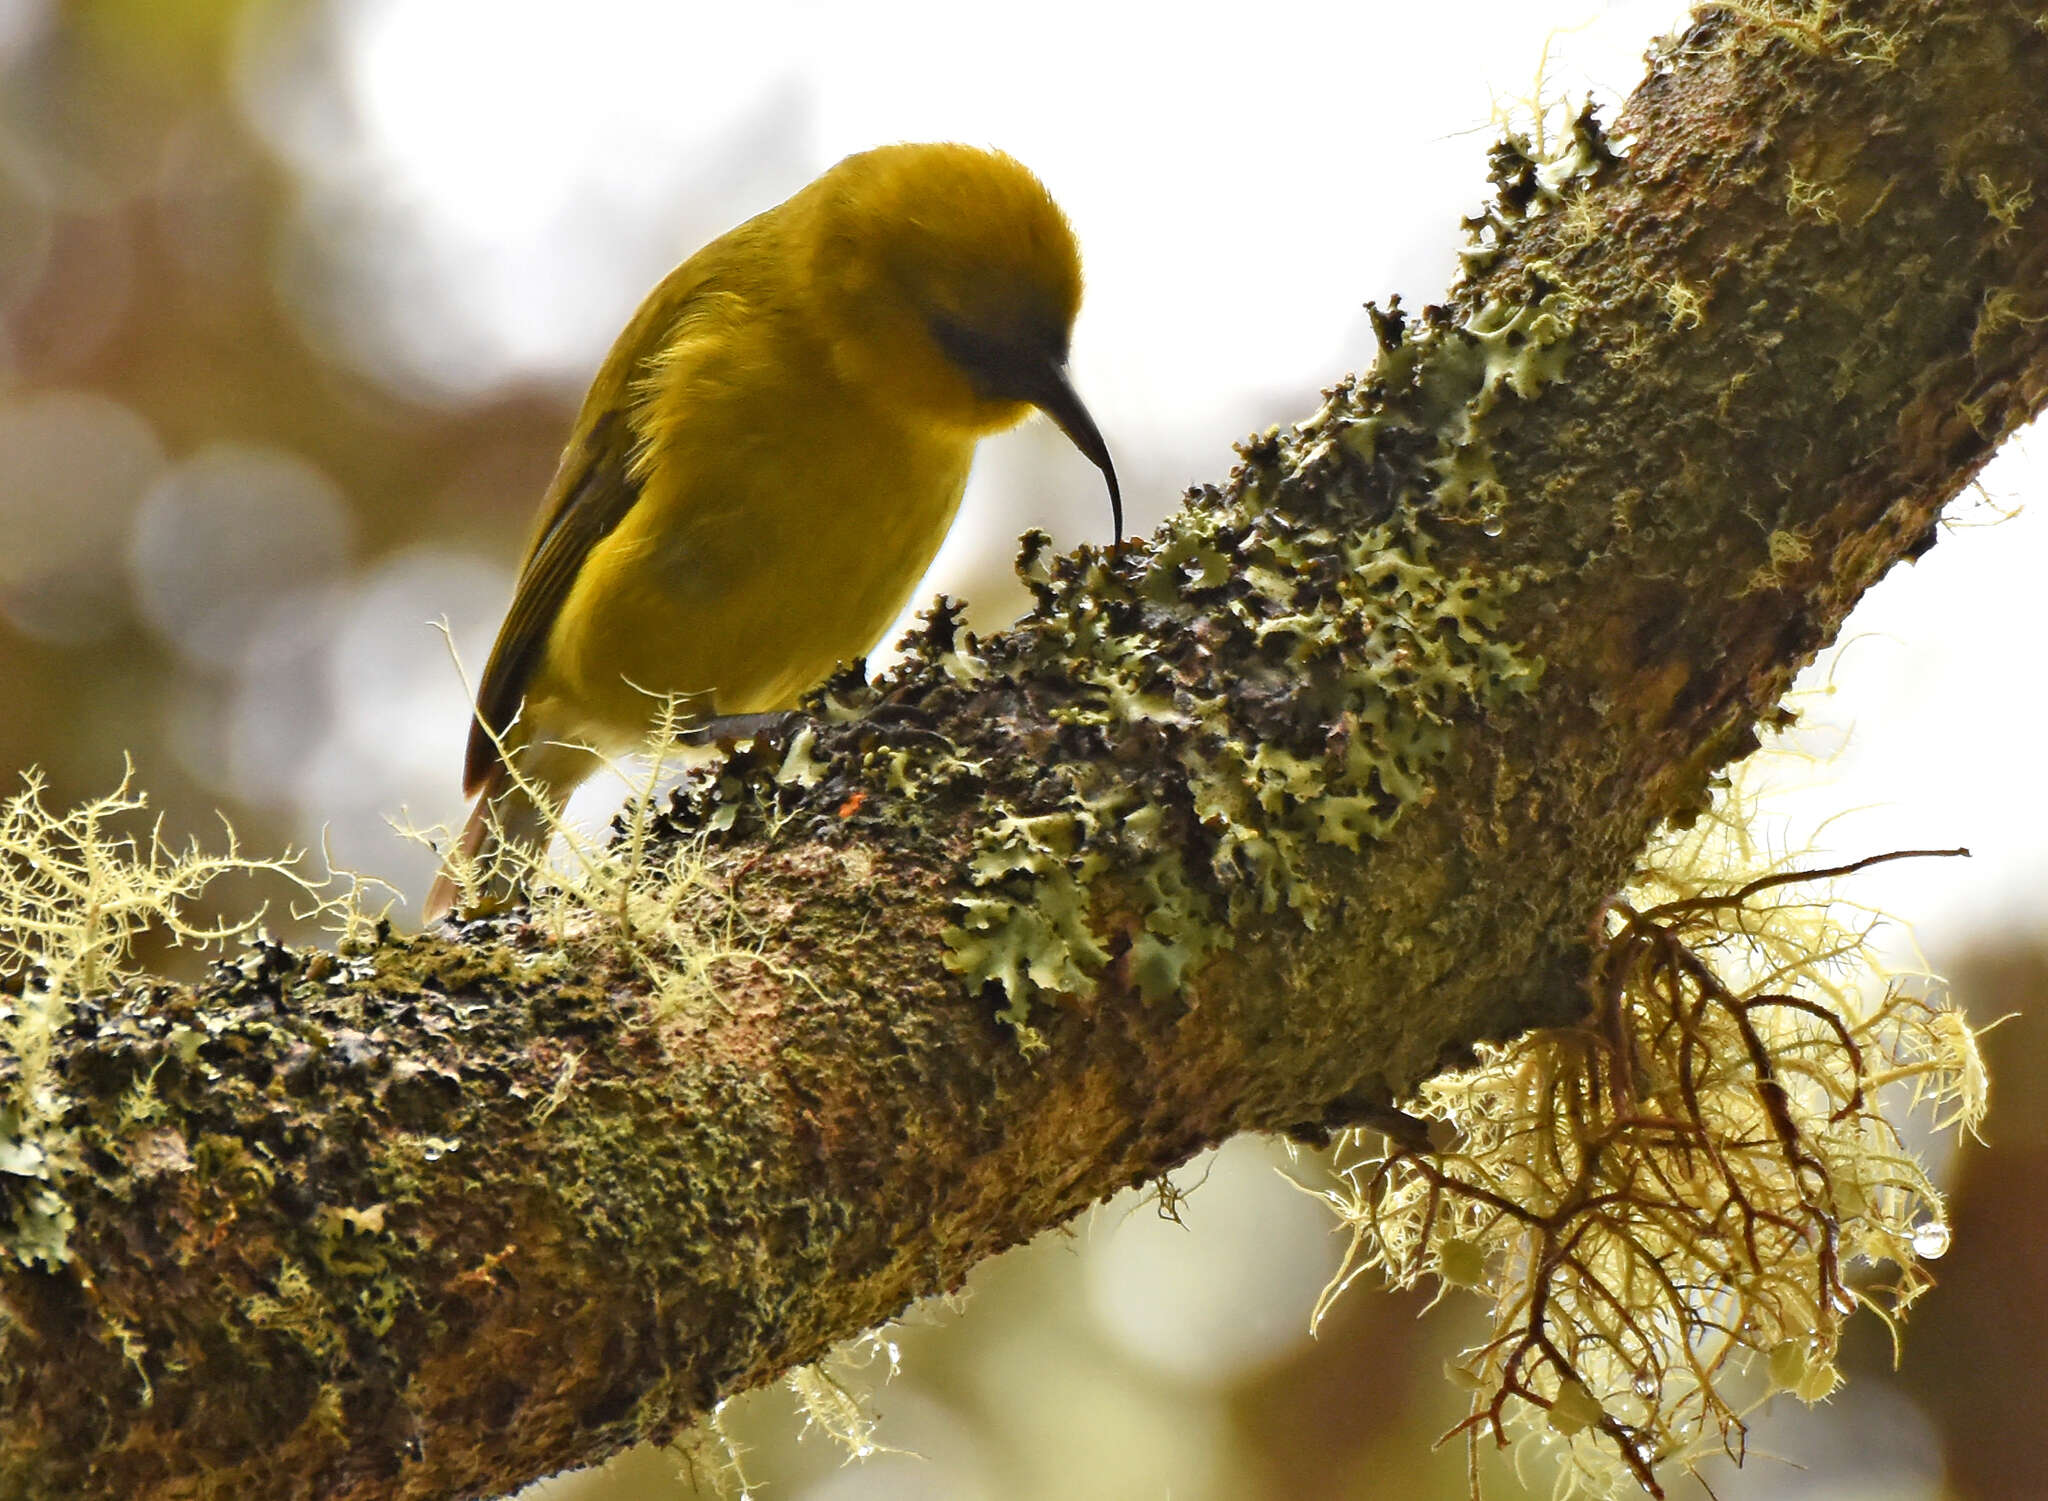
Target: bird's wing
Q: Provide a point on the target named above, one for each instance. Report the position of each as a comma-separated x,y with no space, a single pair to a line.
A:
591,495
601,474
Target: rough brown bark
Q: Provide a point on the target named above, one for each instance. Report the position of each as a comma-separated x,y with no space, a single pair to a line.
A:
441,1216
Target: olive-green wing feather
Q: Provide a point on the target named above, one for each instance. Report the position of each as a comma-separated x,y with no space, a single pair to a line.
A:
590,497
596,485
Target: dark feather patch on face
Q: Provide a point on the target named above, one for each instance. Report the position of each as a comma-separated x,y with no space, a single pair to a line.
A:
1002,368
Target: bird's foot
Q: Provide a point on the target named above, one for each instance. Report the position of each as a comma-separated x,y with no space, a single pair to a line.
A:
726,730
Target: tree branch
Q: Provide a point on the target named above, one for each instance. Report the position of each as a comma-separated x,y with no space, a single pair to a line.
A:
1248,829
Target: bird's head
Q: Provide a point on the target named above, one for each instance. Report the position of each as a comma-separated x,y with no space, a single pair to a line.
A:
947,282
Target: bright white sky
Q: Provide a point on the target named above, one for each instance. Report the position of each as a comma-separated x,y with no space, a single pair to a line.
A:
509,143
497,186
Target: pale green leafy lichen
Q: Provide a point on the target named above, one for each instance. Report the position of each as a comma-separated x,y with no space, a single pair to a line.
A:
1352,658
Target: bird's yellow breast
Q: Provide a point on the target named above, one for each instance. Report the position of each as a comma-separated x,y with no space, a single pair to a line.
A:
781,527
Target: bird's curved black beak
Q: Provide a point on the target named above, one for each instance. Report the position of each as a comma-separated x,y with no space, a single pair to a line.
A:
1060,401
1033,370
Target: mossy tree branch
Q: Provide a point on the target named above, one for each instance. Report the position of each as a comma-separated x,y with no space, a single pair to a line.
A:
1249,830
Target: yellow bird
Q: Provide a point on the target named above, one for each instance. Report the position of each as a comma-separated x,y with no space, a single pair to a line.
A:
767,461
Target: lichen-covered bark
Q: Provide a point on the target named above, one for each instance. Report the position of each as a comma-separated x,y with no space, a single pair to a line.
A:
1250,829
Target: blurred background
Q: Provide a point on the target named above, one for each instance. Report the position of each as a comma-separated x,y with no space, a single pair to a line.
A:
297,298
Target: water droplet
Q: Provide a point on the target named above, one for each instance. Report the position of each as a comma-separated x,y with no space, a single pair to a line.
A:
1646,1386
1491,524
1930,1240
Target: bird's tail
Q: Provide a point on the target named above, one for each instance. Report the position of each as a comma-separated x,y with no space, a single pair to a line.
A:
508,829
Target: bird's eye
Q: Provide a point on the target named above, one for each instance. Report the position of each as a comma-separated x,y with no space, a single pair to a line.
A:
1004,367
973,351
